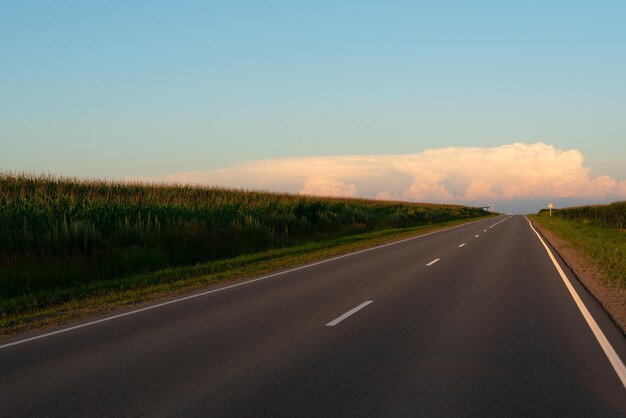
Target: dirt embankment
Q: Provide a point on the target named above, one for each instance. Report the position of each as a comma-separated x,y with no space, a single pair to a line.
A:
613,299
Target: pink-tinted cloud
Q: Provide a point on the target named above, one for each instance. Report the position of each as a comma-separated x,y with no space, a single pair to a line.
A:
324,187
454,174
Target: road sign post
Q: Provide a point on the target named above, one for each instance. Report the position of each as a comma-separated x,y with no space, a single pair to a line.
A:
550,206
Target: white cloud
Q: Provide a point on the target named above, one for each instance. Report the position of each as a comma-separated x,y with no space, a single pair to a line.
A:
325,187
510,172
479,189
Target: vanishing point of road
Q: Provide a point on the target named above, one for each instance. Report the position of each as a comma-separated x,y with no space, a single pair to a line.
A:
475,320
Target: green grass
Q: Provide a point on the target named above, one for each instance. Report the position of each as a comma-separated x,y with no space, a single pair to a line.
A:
603,245
612,215
66,244
54,307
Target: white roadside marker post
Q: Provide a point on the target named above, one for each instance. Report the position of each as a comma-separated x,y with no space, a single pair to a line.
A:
550,206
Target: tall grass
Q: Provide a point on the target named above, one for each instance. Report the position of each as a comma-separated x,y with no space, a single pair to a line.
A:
59,233
612,215
597,232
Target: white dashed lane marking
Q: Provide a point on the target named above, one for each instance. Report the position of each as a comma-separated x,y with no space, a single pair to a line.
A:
349,313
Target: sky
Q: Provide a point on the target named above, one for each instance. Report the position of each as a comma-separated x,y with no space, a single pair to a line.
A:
512,104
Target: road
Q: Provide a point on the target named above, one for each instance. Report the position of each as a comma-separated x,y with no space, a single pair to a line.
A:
470,321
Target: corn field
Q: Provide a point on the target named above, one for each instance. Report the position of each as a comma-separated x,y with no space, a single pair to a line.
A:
58,233
612,215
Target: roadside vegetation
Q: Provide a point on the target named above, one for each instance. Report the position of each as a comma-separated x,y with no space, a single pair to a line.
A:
597,232
70,246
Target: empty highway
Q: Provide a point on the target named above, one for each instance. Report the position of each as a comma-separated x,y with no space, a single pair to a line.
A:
474,320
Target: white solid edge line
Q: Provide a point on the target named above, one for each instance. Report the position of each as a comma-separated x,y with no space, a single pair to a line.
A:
349,313
462,245
433,262
196,295
616,362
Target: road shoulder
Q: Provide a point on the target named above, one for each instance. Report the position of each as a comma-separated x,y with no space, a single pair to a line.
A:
612,299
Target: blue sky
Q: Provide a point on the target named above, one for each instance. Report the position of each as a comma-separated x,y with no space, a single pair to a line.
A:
123,89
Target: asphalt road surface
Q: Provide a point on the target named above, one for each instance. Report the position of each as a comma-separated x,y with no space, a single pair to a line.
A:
474,320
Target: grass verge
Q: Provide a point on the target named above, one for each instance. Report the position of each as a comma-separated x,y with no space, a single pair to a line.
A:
40,310
596,253
604,246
